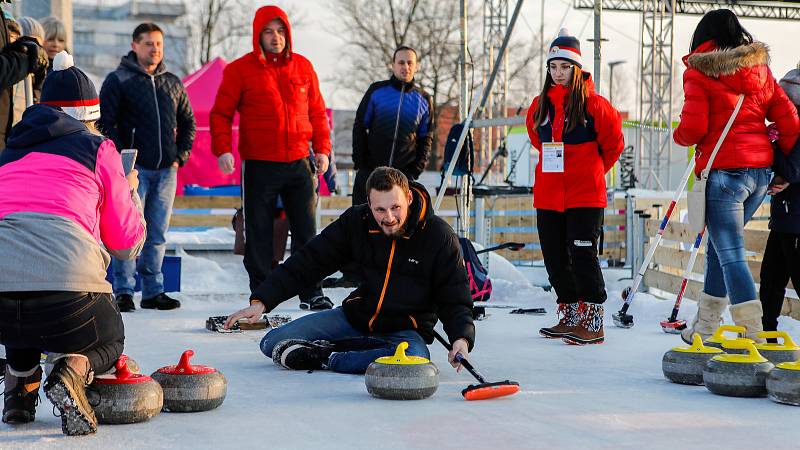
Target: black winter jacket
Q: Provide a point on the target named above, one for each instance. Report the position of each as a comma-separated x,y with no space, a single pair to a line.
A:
785,206
408,282
150,113
15,65
384,108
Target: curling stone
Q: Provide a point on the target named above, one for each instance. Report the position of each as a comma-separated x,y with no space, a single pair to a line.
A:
783,383
718,338
126,397
685,364
191,388
738,375
402,377
786,351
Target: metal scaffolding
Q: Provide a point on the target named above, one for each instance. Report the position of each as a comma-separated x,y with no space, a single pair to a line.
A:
654,158
495,26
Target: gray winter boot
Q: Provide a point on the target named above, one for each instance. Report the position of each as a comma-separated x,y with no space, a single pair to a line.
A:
748,315
708,318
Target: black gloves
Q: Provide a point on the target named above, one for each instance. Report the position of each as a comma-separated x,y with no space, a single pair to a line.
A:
37,57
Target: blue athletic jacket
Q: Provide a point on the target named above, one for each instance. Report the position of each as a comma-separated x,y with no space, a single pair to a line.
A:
391,109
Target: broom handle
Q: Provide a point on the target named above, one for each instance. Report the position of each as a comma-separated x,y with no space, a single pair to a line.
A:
459,358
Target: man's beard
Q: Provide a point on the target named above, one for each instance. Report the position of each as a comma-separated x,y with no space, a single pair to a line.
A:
396,234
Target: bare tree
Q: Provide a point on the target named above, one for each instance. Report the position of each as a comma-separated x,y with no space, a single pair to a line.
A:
373,29
224,27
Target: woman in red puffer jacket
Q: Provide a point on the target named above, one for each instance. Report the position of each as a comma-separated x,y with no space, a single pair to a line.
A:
579,137
725,63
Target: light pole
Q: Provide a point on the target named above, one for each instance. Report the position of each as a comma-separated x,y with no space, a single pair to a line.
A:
611,66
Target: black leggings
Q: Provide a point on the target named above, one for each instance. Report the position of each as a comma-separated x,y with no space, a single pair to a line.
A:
60,322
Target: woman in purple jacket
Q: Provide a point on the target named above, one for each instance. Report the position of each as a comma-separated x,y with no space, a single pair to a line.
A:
65,205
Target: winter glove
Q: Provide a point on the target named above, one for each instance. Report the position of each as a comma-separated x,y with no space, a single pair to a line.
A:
37,57
412,171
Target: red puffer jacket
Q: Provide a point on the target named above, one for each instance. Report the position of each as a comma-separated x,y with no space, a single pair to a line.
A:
589,151
712,84
278,100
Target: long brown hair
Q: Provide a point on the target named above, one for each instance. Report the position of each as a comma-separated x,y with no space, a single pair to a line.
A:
575,105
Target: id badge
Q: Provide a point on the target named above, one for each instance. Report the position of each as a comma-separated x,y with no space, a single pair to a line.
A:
553,157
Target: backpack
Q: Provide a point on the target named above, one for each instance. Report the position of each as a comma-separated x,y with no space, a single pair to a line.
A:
480,286
465,161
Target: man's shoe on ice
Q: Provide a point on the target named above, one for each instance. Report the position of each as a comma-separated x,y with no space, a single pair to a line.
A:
299,354
125,302
66,389
319,303
161,302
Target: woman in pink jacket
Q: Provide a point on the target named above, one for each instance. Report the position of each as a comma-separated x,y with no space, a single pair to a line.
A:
65,205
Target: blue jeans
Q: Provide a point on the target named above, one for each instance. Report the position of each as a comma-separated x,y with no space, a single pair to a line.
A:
157,191
732,197
332,326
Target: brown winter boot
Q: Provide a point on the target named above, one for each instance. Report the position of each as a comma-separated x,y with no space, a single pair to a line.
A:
590,327
568,320
66,389
748,315
707,319
21,394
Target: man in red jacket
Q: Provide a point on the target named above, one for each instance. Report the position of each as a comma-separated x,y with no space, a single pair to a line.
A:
276,93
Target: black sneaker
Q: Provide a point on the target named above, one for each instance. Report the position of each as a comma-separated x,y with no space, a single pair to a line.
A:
161,302
343,282
319,303
299,354
125,302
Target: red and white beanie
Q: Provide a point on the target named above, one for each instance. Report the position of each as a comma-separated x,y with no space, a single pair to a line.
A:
68,88
565,47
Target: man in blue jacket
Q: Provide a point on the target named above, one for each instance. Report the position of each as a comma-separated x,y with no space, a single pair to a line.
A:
143,106
393,125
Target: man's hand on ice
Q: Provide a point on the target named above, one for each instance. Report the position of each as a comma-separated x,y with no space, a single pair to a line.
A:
252,313
460,346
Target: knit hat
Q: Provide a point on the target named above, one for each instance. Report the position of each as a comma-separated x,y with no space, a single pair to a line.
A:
68,88
791,84
565,47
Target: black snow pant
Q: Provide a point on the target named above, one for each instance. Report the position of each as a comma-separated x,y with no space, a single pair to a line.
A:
781,262
569,248
263,182
88,324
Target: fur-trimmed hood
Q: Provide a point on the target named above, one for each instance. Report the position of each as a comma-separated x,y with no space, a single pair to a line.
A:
745,69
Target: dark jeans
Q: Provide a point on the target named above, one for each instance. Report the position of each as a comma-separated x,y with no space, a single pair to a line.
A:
360,348
263,182
781,263
157,191
569,248
60,322
360,186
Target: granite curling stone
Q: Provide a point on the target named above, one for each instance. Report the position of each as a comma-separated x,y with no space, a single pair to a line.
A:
776,353
402,377
783,383
191,388
718,338
738,375
124,396
685,364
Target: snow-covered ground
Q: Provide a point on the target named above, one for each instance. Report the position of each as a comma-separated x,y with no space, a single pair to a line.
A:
603,396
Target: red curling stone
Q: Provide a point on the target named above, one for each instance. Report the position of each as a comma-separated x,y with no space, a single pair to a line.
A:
191,388
124,396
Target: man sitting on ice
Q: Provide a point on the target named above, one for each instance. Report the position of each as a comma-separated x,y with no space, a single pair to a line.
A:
412,274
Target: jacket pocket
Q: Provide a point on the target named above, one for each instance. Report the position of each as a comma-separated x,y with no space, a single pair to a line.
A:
300,87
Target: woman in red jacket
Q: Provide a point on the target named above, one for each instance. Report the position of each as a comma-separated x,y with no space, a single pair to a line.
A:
725,63
579,137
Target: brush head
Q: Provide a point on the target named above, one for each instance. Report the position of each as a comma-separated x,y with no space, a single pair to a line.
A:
485,391
673,326
622,320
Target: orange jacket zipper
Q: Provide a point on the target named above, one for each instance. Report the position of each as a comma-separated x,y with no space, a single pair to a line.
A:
385,283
